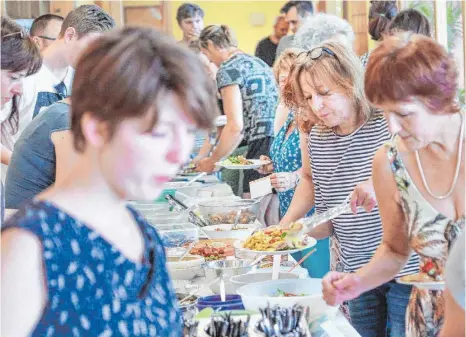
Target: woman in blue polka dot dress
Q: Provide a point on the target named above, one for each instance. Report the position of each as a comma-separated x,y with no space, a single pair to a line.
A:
77,261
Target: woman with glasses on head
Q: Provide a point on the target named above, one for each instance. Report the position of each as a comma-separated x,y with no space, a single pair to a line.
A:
418,176
20,58
286,165
343,134
77,261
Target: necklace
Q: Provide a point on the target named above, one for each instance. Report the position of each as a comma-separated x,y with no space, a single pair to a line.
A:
457,172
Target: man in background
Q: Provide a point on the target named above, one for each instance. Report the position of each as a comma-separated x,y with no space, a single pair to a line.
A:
267,48
45,29
43,149
52,82
295,12
190,19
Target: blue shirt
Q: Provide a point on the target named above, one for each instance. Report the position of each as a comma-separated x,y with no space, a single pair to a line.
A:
286,157
93,289
259,93
33,162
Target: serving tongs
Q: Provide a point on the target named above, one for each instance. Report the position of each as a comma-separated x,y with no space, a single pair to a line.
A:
306,225
193,217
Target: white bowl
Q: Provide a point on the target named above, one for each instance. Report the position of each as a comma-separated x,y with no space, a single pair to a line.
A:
187,269
242,280
258,295
225,231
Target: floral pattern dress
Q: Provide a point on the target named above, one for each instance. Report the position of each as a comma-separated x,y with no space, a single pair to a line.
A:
286,157
431,235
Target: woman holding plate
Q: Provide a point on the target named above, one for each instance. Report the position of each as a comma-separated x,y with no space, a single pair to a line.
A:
343,133
250,97
418,175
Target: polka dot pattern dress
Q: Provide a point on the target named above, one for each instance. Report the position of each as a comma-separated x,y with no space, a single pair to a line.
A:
93,290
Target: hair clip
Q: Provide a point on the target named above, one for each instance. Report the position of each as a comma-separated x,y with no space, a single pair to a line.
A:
21,35
382,14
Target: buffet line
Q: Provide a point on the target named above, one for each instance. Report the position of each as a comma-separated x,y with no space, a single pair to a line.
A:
232,275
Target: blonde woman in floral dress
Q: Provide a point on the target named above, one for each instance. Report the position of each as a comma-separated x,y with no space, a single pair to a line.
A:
418,176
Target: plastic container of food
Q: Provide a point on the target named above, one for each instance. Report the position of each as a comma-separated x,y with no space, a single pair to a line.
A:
178,235
166,218
224,211
308,293
146,208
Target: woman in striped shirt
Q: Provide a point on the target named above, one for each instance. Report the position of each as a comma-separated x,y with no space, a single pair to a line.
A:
327,87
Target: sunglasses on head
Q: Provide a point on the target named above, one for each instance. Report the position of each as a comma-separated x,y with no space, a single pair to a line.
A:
20,33
47,38
317,52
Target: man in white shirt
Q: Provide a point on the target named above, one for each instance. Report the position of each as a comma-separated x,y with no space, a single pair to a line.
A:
53,81
45,29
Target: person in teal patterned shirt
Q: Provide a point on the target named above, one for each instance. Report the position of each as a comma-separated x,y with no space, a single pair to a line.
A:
250,97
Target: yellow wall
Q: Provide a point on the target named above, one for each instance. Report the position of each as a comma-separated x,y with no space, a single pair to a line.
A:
236,15
140,3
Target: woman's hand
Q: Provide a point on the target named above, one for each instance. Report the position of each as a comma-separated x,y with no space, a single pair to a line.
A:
265,169
340,287
364,196
284,181
206,165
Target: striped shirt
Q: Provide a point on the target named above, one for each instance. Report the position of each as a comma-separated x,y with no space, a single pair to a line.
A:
339,163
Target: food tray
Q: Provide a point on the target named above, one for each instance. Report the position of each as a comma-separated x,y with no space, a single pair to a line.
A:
224,212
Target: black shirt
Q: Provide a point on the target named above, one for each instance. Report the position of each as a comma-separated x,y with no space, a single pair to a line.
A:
266,51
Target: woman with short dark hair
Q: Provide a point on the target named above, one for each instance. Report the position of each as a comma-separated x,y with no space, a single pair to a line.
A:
77,261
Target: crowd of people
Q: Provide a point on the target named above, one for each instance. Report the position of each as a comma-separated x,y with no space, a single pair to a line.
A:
93,116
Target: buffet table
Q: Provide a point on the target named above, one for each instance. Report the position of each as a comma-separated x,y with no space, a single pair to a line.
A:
203,280
339,325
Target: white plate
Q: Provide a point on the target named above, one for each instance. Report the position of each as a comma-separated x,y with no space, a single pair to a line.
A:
239,245
424,285
256,163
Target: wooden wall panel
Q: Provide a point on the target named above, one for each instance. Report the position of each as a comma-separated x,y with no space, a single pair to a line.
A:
26,9
356,14
62,7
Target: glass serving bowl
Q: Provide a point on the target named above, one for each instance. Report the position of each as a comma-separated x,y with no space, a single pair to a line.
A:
224,211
